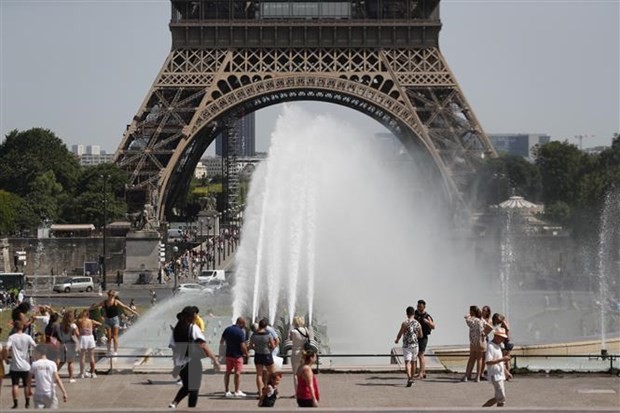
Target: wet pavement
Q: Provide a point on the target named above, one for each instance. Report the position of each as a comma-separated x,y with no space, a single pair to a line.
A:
346,392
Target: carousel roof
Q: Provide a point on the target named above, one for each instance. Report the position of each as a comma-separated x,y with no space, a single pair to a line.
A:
518,202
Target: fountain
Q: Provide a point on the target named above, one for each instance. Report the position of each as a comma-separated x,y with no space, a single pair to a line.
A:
348,224
609,244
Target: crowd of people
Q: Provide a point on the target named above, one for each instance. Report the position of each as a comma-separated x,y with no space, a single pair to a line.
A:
59,338
55,339
189,346
489,347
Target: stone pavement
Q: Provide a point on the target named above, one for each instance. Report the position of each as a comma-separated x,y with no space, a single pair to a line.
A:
346,392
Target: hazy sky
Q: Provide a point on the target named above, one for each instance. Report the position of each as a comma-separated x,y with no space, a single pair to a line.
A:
82,68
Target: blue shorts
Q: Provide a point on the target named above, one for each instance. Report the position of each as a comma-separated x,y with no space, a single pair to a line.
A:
112,322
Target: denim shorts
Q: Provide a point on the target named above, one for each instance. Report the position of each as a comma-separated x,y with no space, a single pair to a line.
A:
112,322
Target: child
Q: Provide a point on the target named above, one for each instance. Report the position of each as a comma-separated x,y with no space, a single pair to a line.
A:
496,368
270,391
45,373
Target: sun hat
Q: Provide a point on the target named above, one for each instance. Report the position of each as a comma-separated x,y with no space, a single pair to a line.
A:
500,332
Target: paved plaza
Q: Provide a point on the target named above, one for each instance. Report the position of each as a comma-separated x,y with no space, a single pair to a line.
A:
347,392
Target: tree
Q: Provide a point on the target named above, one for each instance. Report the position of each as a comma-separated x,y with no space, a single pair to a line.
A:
86,206
26,155
43,196
498,178
560,165
9,208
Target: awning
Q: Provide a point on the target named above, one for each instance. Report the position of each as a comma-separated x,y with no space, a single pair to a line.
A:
72,227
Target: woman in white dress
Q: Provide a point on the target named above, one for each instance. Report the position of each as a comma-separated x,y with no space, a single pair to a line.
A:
298,335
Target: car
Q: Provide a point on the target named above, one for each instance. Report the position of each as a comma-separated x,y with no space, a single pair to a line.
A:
215,284
209,275
71,284
192,288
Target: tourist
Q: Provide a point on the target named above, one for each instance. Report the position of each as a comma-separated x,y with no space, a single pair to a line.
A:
274,335
2,359
86,326
45,373
410,330
269,393
112,308
18,345
198,320
41,320
496,368
262,343
477,343
499,321
307,390
188,347
428,324
51,338
20,313
153,297
236,349
299,336
68,336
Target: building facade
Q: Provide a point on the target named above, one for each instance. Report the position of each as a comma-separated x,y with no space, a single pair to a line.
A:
90,155
246,144
518,144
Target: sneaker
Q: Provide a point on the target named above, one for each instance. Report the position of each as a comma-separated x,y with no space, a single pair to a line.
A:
240,394
82,376
409,383
464,379
172,406
228,394
180,383
71,380
93,375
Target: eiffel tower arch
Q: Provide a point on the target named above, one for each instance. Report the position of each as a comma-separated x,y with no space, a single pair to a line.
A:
231,57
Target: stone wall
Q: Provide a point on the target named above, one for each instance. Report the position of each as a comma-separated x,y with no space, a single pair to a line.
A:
58,254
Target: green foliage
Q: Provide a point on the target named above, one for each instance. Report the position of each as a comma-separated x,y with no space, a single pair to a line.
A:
27,155
10,204
558,212
42,180
87,205
560,165
499,178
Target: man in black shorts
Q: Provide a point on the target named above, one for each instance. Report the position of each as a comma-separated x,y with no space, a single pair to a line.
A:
428,324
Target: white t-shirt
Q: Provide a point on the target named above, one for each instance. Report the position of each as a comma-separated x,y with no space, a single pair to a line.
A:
43,371
181,358
41,322
495,371
19,344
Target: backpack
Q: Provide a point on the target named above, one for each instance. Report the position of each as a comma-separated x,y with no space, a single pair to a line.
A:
308,344
426,329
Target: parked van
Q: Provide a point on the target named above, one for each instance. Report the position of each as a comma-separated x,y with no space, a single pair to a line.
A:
74,284
208,275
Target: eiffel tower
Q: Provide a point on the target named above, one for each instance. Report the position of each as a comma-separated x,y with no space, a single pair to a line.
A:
231,57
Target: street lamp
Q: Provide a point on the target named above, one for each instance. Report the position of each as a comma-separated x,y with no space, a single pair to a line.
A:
102,261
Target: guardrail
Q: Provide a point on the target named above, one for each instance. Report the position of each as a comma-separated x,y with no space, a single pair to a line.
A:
611,358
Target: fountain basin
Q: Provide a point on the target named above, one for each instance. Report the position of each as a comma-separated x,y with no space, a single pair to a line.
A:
454,358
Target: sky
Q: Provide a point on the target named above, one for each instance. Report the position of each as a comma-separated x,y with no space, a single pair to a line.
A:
82,68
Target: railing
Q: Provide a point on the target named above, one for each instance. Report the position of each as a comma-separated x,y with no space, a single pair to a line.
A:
611,358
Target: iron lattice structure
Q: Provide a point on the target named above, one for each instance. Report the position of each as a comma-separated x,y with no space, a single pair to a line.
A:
386,66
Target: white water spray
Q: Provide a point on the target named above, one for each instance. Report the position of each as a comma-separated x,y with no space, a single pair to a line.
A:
354,236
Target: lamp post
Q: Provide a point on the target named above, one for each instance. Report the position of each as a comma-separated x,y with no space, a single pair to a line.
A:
104,284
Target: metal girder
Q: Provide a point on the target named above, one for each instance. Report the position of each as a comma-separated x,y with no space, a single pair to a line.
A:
411,91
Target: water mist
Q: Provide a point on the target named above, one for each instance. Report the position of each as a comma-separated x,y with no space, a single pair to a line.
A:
343,225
